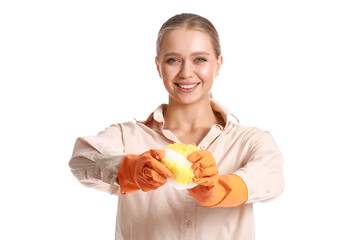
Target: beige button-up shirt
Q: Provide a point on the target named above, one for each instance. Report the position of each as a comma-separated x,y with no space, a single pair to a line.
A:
169,213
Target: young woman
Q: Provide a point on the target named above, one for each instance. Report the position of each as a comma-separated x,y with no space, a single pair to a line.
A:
236,166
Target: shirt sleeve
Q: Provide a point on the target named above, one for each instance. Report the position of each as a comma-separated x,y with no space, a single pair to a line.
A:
96,159
263,171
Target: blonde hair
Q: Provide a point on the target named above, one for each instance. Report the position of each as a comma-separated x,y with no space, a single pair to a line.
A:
189,21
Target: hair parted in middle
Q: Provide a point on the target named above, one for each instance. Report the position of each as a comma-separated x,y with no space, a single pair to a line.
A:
192,22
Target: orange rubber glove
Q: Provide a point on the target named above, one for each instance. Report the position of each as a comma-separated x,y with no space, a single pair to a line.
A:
144,172
215,190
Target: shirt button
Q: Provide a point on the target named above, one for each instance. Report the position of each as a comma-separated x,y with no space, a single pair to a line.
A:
202,147
188,224
189,194
219,127
268,191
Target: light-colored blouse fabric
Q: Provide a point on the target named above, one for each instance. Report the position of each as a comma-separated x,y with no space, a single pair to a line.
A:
169,213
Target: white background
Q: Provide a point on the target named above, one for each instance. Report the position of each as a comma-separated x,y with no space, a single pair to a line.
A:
71,68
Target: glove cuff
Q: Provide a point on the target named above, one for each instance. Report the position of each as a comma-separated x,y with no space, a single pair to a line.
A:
234,190
229,191
126,174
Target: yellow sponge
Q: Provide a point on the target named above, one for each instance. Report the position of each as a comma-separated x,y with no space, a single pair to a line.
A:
183,149
176,160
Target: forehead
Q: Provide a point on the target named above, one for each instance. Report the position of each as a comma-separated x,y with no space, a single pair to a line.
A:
186,41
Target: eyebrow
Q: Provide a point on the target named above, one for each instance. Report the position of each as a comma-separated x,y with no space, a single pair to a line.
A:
193,54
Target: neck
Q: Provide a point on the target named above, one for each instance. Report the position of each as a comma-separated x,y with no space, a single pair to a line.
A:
188,117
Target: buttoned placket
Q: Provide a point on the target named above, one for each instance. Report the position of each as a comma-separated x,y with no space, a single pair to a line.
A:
189,216
214,132
188,221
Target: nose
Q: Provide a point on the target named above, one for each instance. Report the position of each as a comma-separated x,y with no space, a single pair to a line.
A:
186,70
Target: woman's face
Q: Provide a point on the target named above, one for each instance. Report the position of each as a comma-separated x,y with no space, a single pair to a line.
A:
188,65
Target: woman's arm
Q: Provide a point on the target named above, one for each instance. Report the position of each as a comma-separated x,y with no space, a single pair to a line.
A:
260,179
96,159
263,171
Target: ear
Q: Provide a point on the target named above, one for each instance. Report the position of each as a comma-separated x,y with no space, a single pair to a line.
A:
219,63
158,66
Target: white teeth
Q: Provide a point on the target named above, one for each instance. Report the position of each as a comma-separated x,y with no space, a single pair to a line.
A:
187,86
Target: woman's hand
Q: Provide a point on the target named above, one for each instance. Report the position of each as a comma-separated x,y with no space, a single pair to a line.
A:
144,172
214,190
204,168
205,175
150,173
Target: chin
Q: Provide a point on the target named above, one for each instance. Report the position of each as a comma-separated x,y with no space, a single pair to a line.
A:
190,99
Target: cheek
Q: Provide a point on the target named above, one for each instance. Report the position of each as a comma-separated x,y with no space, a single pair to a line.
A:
207,72
168,73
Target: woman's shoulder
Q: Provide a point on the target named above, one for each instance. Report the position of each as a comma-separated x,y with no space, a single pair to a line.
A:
248,132
134,127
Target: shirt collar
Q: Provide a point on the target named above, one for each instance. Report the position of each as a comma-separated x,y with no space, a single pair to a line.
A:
158,115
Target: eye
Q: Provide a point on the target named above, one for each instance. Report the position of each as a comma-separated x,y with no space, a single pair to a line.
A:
171,60
200,59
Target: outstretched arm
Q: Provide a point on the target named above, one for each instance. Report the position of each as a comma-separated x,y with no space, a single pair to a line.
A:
260,179
95,159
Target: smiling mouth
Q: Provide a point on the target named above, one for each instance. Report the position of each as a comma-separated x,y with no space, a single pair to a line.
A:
187,86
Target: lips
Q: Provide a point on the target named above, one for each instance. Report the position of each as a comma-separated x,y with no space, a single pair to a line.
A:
187,87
